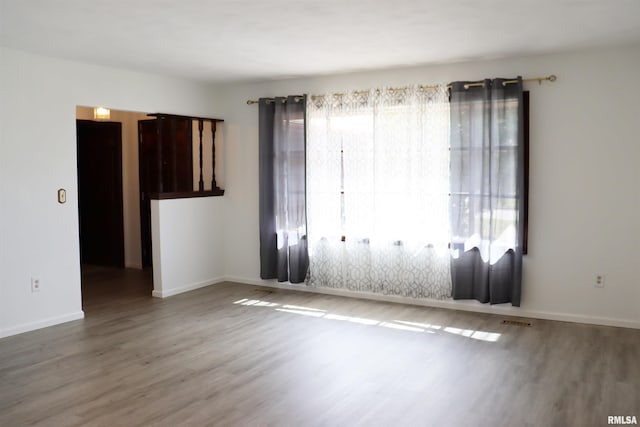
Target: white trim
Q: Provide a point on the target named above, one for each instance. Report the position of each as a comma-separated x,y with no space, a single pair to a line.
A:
474,306
32,326
164,293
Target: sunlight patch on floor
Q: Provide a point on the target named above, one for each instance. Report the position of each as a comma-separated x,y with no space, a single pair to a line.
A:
302,312
256,302
402,325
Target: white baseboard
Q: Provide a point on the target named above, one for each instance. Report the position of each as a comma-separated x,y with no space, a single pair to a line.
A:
474,306
32,326
164,293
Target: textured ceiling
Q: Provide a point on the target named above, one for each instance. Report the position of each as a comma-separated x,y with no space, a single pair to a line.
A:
234,40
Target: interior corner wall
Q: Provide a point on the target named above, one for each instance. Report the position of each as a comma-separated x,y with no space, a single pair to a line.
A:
584,176
39,236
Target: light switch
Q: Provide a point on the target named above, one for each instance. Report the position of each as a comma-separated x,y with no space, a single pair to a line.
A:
62,195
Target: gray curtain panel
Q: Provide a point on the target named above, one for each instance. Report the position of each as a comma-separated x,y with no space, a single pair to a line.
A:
487,191
284,252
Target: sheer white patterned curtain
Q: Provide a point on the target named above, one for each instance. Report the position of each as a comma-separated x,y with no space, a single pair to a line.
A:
377,191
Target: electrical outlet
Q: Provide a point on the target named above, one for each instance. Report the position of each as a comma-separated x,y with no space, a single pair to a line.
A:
599,280
35,284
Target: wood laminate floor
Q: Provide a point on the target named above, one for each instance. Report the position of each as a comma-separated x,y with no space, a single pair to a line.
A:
239,355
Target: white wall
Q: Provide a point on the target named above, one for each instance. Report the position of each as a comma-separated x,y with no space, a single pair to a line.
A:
130,180
188,244
585,173
38,236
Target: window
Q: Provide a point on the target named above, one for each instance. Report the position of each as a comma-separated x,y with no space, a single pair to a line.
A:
378,166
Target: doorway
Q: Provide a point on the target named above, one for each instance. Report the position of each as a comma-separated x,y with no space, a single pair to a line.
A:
107,164
99,154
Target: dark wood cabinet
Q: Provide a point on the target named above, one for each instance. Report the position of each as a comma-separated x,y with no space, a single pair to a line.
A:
165,155
166,165
165,158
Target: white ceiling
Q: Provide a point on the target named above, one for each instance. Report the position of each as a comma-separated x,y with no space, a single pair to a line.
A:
235,40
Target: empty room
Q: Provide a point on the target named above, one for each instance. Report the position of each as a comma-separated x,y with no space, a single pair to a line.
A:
319,213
